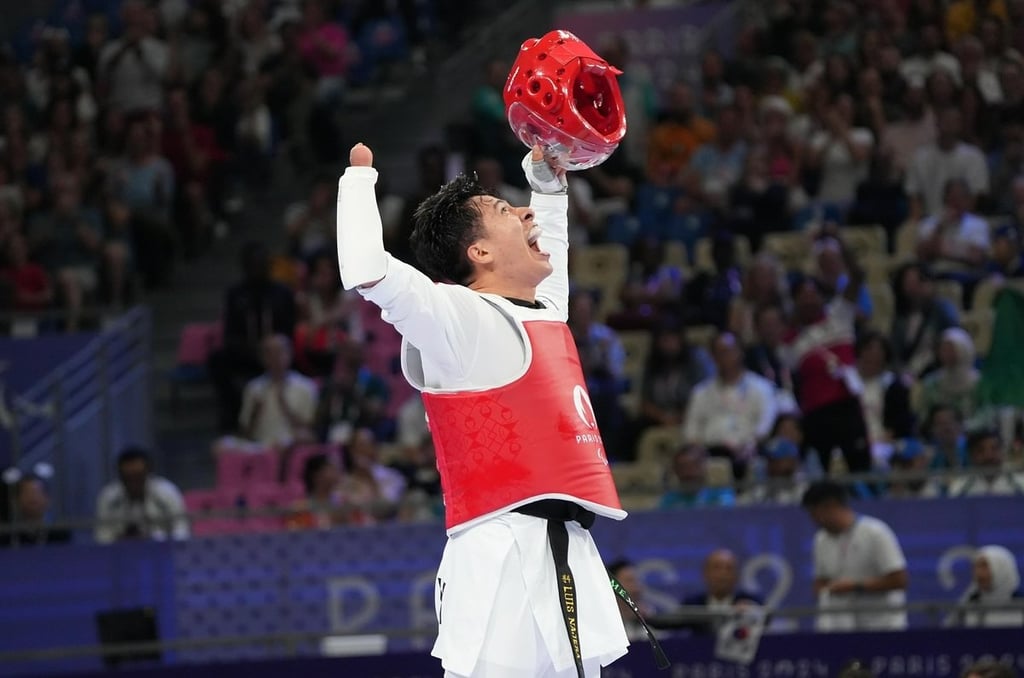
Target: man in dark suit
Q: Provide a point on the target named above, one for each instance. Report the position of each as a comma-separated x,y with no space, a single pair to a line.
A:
721,577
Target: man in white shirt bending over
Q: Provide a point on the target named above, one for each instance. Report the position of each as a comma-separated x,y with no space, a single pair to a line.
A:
730,413
139,504
858,562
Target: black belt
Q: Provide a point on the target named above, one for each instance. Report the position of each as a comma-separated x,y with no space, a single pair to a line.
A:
559,512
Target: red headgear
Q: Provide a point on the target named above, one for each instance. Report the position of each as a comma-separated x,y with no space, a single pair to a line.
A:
563,96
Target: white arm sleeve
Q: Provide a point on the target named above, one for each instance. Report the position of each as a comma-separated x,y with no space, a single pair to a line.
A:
441,321
551,212
361,255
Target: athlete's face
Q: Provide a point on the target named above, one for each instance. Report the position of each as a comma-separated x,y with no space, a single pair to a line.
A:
508,247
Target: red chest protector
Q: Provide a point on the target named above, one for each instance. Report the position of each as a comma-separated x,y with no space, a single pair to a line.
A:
534,438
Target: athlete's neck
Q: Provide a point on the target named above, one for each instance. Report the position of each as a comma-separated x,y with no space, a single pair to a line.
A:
527,294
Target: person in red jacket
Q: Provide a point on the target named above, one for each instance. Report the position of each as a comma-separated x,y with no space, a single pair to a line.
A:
820,353
30,285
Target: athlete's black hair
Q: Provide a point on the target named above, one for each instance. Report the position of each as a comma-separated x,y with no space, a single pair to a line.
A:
445,224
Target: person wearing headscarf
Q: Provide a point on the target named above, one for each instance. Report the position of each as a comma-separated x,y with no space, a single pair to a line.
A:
996,582
955,382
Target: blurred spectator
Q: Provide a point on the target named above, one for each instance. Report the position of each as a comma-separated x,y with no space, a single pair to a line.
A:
373,489
856,669
831,271
491,178
929,57
885,395
721,593
254,308
31,286
764,198
638,95
213,108
989,669
1007,258
914,129
955,382
944,427
411,423
1017,208
986,455
431,173
87,53
493,137
324,46
324,505
624,571
689,466
763,357
418,466
352,397
995,582
730,413
715,167
278,407
31,502
325,312
857,559
715,92
919,318
934,165
653,292
910,456
310,224
68,240
763,286
840,154
143,181
132,69
200,38
709,298
783,482
256,43
955,236
602,358
198,161
820,351
676,135
673,368
963,16
139,504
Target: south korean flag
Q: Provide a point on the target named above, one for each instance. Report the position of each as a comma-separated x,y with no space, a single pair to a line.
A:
740,635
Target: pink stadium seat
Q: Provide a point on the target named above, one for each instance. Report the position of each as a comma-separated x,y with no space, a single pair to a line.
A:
239,470
205,501
196,342
275,498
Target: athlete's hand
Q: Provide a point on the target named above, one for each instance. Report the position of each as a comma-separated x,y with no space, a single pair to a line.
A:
542,174
360,156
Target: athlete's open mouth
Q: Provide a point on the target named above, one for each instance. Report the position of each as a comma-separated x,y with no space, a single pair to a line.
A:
533,238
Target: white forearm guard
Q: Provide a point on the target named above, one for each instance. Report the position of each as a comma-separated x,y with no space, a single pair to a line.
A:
361,255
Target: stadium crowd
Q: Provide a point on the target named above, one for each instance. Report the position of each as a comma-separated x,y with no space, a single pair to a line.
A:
787,270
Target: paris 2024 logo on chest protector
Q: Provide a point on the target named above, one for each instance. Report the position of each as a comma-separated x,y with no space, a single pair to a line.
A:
581,400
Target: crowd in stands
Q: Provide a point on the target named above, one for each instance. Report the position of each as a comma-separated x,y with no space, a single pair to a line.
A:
786,271
130,132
